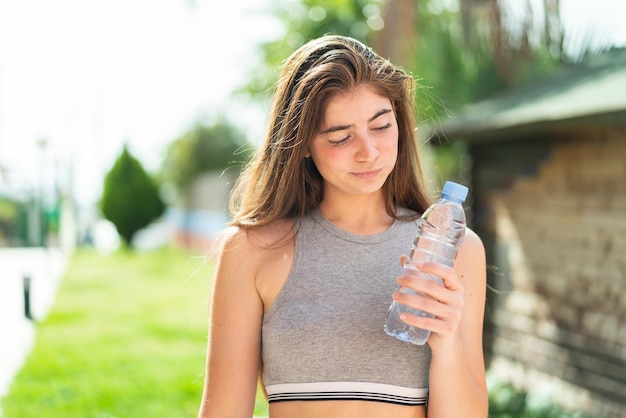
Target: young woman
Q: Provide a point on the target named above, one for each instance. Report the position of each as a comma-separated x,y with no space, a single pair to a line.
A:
310,263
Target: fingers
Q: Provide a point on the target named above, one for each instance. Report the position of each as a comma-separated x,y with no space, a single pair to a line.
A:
445,302
426,304
423,279
437,325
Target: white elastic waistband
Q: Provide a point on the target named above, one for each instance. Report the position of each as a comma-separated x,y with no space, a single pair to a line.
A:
346,391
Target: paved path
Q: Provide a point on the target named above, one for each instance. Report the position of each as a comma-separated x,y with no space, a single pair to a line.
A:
17,334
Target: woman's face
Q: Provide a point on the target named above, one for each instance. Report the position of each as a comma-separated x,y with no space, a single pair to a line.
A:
356,147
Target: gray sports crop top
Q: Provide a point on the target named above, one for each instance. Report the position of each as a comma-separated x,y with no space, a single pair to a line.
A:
323,338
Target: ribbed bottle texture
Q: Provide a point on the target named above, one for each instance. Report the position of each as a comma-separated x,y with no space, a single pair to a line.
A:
440,232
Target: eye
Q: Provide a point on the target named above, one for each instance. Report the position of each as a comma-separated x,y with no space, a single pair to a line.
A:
339,142
382,128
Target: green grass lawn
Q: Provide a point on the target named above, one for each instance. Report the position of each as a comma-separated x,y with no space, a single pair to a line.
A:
126,337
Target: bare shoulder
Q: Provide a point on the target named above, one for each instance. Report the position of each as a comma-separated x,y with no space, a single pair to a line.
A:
255,245
268,254
471,258
237,238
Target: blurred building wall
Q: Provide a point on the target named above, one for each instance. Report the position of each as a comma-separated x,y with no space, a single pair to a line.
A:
553,215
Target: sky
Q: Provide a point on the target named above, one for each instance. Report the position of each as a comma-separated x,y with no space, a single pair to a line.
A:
81,78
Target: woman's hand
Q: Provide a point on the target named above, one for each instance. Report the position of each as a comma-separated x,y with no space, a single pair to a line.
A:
445,302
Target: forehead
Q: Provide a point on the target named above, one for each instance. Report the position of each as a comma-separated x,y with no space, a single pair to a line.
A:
360,102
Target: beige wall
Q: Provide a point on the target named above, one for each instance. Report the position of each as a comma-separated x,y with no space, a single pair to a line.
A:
560,316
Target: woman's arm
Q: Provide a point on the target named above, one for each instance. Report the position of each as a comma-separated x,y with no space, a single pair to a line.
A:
234,346
457,370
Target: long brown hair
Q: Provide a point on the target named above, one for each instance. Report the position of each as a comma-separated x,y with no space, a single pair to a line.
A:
280,183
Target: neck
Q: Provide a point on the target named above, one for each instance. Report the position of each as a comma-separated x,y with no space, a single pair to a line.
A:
362,215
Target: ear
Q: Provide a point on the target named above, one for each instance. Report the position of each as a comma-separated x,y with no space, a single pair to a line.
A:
307,154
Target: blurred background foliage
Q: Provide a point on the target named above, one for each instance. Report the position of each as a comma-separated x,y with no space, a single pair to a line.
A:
12,222
463,51
205,147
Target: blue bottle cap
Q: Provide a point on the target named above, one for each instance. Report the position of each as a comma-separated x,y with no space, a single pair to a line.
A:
454,191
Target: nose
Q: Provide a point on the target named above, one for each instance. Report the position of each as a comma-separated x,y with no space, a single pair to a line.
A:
367,150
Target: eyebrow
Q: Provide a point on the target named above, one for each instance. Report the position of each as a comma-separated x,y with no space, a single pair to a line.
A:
343,127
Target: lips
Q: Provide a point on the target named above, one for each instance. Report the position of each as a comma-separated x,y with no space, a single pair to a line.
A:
367,173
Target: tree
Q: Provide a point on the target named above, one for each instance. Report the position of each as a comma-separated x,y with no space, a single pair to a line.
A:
461,50
130,199
201,149
307,19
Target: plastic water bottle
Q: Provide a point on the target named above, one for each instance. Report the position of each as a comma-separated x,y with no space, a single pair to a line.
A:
440,231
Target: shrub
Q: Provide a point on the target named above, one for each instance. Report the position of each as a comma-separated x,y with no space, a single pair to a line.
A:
130,199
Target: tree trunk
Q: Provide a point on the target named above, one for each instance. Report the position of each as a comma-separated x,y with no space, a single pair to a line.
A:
396,41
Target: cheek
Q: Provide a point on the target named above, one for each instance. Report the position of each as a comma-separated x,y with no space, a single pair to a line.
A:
391,145
328,156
